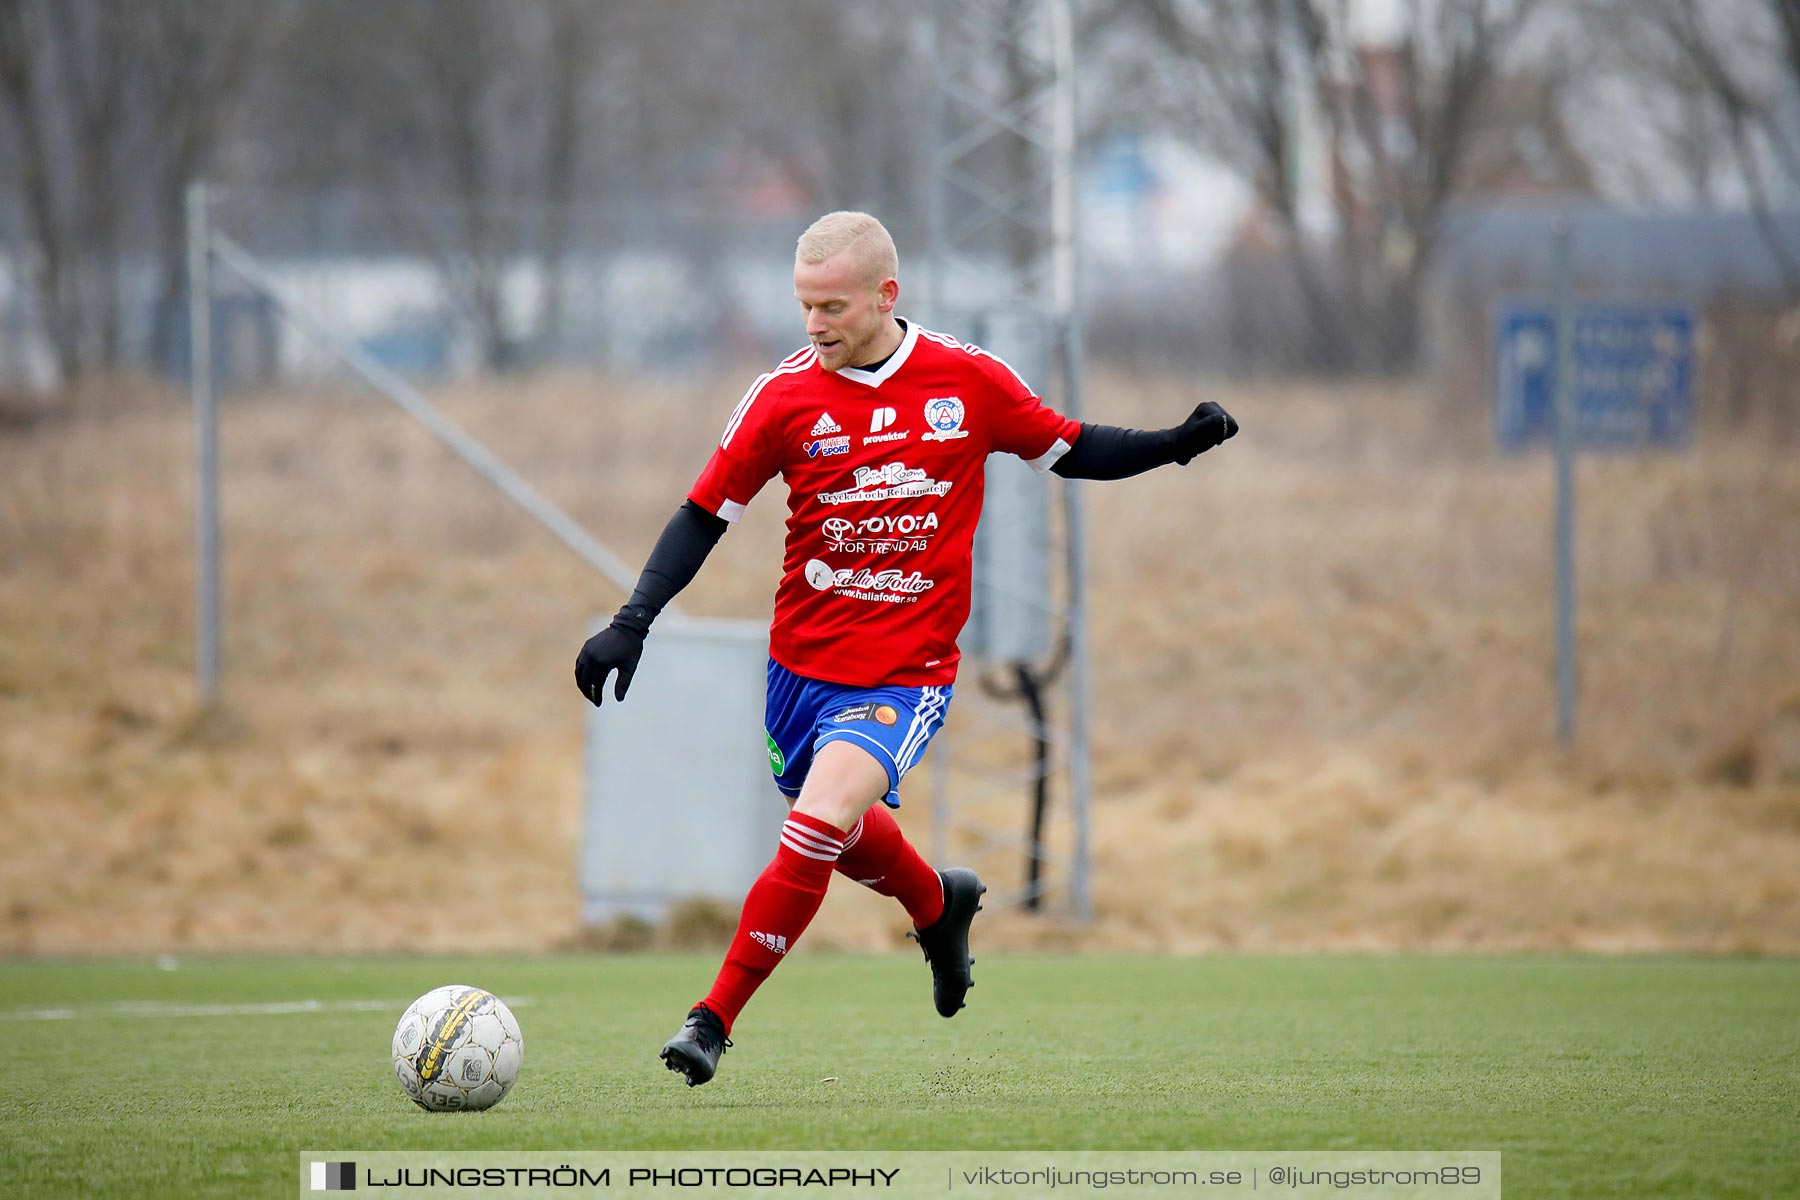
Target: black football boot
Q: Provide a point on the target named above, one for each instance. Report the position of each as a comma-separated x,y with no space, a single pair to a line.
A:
695,1050
946,941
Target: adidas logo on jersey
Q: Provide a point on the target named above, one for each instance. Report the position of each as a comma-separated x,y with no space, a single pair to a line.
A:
826,425
774,941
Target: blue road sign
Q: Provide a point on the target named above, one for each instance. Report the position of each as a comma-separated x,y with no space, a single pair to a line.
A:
1633,367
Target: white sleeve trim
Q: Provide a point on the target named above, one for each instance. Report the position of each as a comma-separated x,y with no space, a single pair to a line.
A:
731,510
1042,462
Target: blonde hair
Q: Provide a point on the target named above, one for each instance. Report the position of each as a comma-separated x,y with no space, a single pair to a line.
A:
865,237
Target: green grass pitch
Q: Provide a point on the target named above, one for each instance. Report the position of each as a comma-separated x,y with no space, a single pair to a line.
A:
1594,1077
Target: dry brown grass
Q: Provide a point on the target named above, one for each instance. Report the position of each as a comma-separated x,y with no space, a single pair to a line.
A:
1323,699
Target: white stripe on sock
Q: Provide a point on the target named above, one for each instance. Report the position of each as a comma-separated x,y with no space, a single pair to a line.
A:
816,840
797,848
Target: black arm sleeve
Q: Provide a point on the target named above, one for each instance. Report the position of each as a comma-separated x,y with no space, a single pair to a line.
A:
686,540
1108,452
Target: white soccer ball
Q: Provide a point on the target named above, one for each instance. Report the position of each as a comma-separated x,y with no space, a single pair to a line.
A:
457,1048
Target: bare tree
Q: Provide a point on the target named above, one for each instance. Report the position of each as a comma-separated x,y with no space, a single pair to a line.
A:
92,43
113,109
571,59
197,56
1743,58
454,61
23,35
1354,147
833,97
471,120
62,72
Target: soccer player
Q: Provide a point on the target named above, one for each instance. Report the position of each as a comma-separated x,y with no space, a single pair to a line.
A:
880,430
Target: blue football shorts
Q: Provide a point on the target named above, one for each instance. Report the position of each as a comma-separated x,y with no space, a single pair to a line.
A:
894,724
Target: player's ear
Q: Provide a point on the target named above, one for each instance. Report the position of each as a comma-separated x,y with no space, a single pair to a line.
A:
887,295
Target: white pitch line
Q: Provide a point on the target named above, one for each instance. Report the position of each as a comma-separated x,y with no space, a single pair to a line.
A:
159,1008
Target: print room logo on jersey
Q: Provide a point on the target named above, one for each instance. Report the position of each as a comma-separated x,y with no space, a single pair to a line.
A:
945,416
891,481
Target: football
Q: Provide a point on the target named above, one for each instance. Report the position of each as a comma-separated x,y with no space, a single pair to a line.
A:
457,1049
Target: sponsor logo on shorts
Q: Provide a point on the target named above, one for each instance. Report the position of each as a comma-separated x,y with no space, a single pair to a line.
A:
892,481
777,763
945,416
825,447
884,714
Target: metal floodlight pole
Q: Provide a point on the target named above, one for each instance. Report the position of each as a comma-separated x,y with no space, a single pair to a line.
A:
1066,305
206,446
1563,417
1000,217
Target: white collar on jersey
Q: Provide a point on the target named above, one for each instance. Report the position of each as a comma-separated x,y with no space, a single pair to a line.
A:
895,361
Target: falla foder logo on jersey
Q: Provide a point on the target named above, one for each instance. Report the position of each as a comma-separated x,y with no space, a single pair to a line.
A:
945,416
889,586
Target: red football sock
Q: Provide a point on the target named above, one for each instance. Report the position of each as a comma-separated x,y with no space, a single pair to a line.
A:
778,909
878,856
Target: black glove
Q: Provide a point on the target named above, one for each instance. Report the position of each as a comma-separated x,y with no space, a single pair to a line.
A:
685,542
1206,427
618,646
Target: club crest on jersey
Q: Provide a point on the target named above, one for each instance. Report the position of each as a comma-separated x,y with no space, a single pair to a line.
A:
945,416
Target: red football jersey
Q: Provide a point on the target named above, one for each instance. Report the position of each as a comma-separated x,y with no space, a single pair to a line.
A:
885,472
